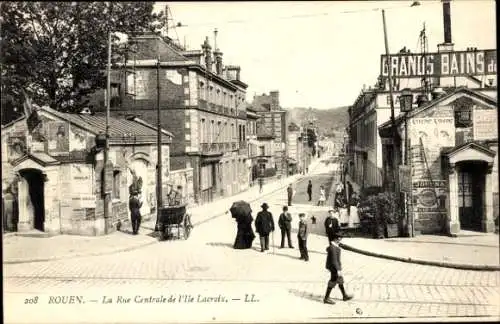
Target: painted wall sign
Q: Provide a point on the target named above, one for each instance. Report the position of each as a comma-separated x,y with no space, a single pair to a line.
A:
485,124
404,65
16,146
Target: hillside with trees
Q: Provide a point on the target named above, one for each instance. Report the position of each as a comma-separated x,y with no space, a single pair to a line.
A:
328,120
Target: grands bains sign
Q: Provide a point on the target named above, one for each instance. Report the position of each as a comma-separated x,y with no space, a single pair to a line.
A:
472,62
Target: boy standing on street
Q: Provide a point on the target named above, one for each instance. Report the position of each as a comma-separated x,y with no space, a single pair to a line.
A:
334,265
285,224
302,237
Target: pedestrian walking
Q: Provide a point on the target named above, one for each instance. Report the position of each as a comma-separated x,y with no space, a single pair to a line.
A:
135,205
322,196
310,190
334,265
332,224
302,237
264,225
285,224
261,184
289,192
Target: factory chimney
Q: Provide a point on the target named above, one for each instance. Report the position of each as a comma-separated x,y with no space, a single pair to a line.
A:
447,46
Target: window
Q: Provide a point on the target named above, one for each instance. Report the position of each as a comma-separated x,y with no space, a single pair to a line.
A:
262,150
116,185
203,131
211,132
115,100
219,129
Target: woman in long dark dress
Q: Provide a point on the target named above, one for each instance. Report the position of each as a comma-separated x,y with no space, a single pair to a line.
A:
245,235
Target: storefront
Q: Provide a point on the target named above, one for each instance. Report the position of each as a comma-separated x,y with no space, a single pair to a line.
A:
451,152
53,169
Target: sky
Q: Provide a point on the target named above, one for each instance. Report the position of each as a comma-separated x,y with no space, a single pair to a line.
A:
320,54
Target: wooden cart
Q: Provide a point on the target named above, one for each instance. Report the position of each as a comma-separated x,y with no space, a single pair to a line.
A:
174,222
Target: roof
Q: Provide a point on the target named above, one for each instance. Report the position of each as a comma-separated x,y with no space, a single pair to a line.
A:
462,90
119,128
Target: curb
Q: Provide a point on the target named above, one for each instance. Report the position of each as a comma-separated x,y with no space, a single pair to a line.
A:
459,266
130,248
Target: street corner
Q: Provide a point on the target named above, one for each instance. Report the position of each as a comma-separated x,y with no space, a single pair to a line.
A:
21,249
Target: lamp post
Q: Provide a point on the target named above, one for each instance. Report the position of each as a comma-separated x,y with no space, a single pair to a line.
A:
107,168
405,101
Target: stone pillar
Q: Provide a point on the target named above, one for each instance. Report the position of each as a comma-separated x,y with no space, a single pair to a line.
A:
453,215
25,216
487,223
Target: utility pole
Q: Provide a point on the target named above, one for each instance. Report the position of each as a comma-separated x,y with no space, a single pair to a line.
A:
391,102
105,180
159,186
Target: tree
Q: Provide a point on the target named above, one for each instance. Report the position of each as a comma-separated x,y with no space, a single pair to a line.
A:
57,51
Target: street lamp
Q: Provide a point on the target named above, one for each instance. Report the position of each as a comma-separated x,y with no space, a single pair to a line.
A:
406,101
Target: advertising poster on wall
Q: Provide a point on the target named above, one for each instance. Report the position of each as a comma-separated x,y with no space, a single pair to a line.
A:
17,146
58,137
82,181
485,124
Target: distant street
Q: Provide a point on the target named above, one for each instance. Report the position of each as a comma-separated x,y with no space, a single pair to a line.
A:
276,285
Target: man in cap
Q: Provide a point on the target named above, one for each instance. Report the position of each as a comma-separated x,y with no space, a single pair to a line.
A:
264,224
332,223
334,265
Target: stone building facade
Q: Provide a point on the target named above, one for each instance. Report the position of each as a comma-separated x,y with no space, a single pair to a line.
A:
273,122
451,162
199,103
55,170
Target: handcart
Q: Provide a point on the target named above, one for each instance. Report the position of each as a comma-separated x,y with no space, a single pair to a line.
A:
174,222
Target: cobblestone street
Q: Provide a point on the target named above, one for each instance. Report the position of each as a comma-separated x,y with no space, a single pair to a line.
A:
206,264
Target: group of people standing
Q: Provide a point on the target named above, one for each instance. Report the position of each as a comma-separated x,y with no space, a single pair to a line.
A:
264,225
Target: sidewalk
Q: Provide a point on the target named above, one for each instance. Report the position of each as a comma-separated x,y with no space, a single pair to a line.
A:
22,249
468,251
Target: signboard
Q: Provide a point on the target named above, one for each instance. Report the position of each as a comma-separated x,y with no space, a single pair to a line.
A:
405,65
485,125
82,186
405,178
17,146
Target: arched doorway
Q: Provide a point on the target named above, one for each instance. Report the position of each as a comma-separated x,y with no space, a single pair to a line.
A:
471,194
34,197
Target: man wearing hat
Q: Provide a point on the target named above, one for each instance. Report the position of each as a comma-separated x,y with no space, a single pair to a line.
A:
135,205
334,265
332,224
264,224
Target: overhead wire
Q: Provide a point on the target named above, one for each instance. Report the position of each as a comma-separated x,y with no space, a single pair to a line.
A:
301,16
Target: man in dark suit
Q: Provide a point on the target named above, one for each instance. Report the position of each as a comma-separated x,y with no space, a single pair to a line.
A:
135,212
289,192
310,190
302,234
285,224
264,224
334,265
331,224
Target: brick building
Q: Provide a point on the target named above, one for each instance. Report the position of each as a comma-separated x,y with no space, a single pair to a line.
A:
272,123
199,103
52,174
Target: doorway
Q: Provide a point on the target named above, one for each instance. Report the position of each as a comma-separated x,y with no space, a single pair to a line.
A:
471,185
35,196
